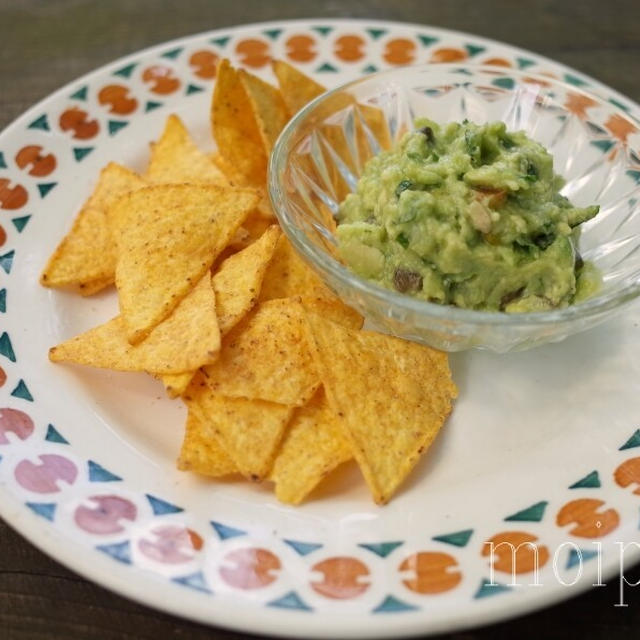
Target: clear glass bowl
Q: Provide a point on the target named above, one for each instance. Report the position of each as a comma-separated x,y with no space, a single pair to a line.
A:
321,153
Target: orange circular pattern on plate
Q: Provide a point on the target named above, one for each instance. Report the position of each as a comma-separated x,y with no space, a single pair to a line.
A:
204,63
399,51
620,127
341,577
12,197
78,123
117,98
431,572
3,375
41,164
161,79
349,48
515,552
498,62
448,54
3,239
589,523
628,473
301,48
196,539
250,568
253,52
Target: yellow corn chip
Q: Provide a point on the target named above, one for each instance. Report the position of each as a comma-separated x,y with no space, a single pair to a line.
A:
269,109
297,88
201,452
231,173
267,357
235,129
175,158
312,447
168,236
248,430
392,397
187,339
175,384
238,280
86,254
87,289
334,310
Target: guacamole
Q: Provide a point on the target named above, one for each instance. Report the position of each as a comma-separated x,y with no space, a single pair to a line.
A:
468,215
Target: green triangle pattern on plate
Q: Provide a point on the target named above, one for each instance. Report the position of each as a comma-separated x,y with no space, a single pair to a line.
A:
524,63
193,581
325,67
574,80
6,348
45,187
382,549
534,513
22,391
370,68
391,604
577,557
126,72
221,42
457,539
617,103
3,164
79,153
6,261
121,551
488,588
224,532
97,473
46,510
632,442
590,481
80,94
151,105
290,600
115,126
272,33
161,507
376,33
53,435
504,83
193,88
634,174
303,548
323,31
20,223
474,50
427,41
40,123
603,145
3,300
172,53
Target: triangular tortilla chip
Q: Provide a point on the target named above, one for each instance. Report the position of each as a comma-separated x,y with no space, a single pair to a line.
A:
392,397
175,384
175,158
249,430
269,109
168,236
239,278
312,447
186,340
267,357
234,127
297,88
86,256
201,452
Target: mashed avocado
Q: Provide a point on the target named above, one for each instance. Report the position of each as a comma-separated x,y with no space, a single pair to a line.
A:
467,215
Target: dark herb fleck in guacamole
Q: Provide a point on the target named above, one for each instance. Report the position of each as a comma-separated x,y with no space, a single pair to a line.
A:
467,215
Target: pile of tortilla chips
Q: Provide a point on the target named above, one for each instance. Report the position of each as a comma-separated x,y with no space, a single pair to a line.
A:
280,382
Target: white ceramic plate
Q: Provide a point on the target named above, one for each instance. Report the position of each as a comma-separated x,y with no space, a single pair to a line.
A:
542,446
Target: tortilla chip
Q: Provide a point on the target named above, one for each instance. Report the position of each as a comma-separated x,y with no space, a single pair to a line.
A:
86,254
248,430
201,451
168,236
175,158
392,397
231,173
87,289
269,109
186,340
267,357
312,447
297,88
238,280
175,384
234,127
334,310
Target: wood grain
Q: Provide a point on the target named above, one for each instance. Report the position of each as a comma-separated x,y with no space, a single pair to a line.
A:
44,45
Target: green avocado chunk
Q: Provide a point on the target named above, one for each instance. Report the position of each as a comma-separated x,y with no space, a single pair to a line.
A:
467,215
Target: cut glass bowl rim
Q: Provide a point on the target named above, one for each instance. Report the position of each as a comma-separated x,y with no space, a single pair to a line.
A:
407,304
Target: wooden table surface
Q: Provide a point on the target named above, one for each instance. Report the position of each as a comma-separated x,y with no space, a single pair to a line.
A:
45,44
